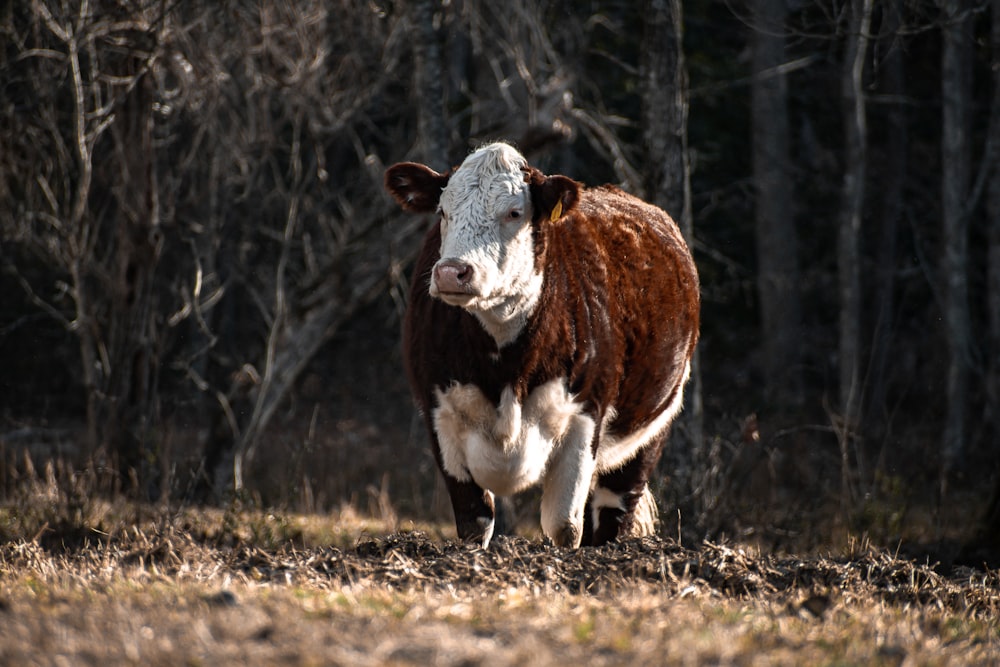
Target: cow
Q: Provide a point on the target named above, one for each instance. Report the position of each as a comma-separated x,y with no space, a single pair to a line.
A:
547,340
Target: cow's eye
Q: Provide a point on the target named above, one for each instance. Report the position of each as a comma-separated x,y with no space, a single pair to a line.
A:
514,214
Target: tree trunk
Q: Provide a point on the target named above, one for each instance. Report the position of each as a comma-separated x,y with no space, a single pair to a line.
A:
777,242
993,250
985,543
132,336
891,85
848,246
664,109
956,93
428,78
668,185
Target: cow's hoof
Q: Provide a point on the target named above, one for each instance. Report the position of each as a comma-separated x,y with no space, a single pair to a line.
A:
567,535
477,530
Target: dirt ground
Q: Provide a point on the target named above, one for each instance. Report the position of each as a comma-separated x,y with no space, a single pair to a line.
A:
207,587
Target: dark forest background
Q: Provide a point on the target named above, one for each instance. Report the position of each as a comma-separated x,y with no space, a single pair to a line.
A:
202,279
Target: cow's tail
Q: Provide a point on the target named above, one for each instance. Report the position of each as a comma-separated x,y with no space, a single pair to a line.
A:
647,515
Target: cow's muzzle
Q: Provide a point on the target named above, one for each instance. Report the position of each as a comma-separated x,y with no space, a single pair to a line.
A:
452,276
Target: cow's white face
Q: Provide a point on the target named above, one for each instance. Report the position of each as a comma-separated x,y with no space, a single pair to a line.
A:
487,259
487,263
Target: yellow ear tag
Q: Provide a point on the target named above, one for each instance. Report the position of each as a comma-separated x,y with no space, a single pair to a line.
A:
556,212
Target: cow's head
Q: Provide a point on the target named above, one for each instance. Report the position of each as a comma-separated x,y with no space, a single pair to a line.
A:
493,209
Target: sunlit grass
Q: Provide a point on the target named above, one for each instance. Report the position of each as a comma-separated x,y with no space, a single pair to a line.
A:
120,582
634,622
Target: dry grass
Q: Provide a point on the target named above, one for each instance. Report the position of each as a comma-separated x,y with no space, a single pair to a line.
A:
122,584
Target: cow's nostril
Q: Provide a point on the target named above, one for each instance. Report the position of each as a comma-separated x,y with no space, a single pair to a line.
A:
452,275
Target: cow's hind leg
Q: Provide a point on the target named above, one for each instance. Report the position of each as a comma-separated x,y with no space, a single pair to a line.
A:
621,504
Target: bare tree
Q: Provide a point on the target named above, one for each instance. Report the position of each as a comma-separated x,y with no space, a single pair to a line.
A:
993,216
328,258
88,203
956,93
664,110
187,193
985,541
848,248
890,71
428,78
506,77
775,210
668,184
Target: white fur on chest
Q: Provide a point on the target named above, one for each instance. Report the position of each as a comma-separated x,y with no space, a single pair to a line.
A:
505,448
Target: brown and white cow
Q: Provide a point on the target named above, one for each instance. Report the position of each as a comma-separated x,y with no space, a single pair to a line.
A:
548,338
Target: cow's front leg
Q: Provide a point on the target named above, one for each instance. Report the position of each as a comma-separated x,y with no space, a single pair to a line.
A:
461,412
567,484
475,511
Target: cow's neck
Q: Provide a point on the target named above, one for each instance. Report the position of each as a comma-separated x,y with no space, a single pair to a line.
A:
506,320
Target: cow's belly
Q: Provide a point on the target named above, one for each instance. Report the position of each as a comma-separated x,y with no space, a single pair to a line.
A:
505,448
616,450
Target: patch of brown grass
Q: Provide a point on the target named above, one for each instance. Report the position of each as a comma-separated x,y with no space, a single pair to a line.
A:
244,586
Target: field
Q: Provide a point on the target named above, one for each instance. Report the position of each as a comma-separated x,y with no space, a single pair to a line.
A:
118,583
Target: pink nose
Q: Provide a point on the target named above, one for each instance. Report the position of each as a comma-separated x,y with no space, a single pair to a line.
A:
453,276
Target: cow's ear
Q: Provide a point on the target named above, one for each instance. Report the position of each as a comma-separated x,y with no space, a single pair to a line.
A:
415,187
552,197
